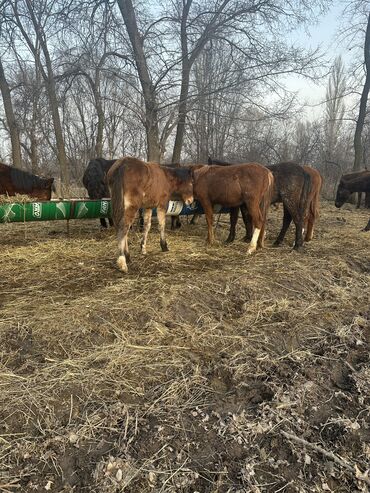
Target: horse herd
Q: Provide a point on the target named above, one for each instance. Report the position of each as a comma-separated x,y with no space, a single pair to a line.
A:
136,185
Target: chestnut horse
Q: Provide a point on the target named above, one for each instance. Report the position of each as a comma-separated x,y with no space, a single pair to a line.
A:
313,201
134,184
95,181
292,185
232,186
14,180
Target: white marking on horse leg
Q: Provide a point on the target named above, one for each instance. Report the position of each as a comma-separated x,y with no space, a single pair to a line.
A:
147,225
253,244
121,262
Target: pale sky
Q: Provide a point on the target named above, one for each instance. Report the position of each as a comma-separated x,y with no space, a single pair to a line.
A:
325,34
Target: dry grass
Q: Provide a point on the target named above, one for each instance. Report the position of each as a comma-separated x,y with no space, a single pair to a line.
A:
18,197
189,373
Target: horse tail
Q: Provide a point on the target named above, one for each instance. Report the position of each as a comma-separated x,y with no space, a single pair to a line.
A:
115,183
267,196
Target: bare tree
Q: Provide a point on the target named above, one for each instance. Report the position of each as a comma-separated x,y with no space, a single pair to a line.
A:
357,142
335,108
29,14
11,121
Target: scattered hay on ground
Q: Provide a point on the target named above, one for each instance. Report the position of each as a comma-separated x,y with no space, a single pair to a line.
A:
201,370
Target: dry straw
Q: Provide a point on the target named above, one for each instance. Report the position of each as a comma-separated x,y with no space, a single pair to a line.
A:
133,376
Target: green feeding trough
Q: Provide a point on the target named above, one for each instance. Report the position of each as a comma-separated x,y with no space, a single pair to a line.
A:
79,209
54,210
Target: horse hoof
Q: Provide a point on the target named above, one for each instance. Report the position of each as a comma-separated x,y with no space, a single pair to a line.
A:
276,244
250,251
229,240
122,265
246,239
164,246
298,249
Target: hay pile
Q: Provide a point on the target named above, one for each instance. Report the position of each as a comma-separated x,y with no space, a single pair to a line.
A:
201,370
18,197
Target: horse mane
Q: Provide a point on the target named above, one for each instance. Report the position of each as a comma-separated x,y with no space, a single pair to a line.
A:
23,179
181,174
218,162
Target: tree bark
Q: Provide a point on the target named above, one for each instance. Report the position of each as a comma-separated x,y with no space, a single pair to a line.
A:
150,100
10,118
363,102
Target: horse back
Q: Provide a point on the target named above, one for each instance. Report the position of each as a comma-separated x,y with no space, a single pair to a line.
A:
228,185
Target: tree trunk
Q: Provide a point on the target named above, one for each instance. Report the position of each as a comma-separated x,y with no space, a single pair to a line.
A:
149,92
100,113
10,118
53,100
363,102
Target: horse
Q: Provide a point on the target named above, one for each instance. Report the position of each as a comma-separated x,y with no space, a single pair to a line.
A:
358,182
352,176
94,180
232,186
136,184
14,180
292,185
313,201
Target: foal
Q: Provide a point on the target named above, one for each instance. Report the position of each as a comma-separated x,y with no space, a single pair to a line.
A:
134,184
249,184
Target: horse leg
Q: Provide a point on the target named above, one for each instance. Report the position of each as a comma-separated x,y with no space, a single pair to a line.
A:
287,219
161,214
257,222
299,224
110,222
309,224
208,211
122,235
103,223
147,224
175,222
359,197
367,227
367,200
194,219
247,223
234,212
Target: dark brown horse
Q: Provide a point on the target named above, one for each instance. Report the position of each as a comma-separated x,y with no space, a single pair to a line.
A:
95,181
134,184
249,184
350,183
14,180
313,201
292,185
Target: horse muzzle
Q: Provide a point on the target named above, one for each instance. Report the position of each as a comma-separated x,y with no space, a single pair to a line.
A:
189,201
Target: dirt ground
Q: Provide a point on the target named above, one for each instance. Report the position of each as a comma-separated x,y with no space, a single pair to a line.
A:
202,370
